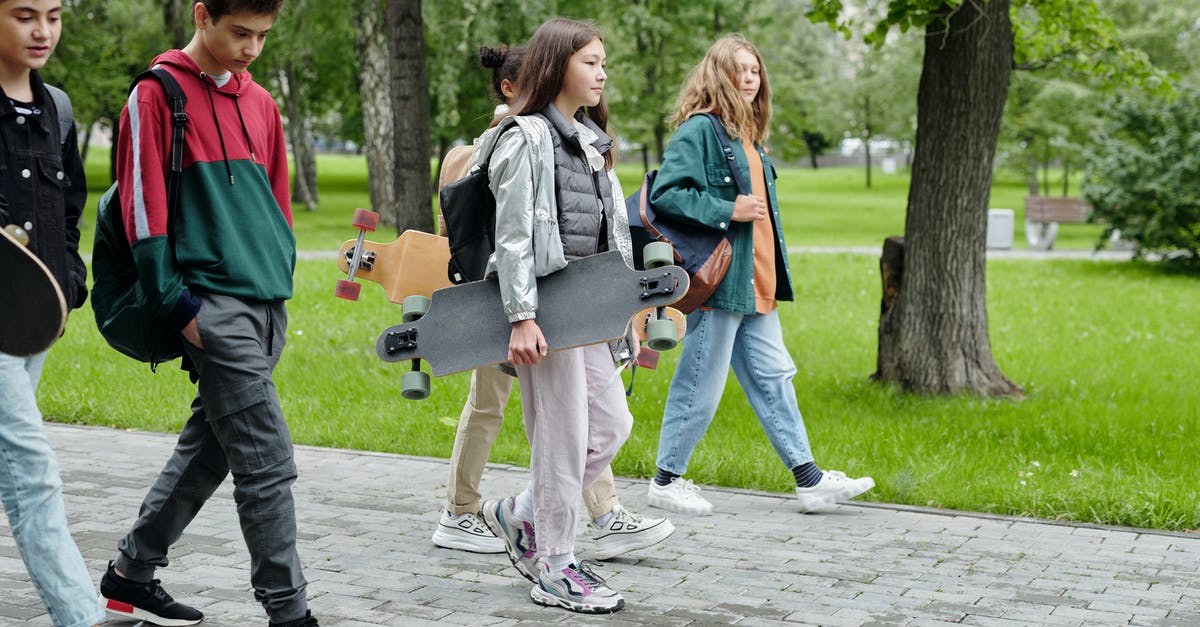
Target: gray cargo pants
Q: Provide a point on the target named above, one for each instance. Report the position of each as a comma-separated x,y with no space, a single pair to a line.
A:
236,426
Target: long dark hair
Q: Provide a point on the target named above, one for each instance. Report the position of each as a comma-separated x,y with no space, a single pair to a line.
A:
505,64
545,66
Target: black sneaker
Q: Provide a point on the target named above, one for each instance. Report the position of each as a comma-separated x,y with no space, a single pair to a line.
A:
143,601
307,621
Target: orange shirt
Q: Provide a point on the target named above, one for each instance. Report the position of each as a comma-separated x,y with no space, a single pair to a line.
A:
764,237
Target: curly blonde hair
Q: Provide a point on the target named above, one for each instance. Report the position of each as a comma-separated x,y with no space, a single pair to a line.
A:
712,87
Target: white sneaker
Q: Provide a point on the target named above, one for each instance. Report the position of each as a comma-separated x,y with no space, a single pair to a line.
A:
681,495
834,487
466,532
627,532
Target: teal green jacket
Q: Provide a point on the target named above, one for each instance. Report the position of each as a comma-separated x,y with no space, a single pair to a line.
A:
695,185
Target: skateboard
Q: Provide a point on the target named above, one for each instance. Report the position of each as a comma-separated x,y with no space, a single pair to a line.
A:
414,263
34,312
593,299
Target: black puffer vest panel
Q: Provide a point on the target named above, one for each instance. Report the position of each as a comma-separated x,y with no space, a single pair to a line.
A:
577,188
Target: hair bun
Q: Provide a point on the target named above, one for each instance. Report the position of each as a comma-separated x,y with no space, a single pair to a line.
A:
492,57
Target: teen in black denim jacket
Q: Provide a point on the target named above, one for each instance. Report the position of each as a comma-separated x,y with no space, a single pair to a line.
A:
42,186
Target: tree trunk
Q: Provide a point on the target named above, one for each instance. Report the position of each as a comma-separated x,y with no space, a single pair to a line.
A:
939,343
867,137
85,142
891,271
299,133
660,135
1031,177
176,19
374,87
410,117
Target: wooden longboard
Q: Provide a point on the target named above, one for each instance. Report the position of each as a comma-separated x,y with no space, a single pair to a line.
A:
34,311
592,300
413,264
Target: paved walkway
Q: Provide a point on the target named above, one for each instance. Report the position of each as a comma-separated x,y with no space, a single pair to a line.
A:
365,521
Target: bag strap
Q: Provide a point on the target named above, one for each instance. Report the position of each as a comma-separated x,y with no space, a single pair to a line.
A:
62,106
742,184
179,119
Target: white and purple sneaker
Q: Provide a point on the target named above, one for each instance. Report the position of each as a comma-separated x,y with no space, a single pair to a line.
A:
519,540
576,588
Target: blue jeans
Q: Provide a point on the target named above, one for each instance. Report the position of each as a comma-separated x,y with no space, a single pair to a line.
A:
753,345
31,489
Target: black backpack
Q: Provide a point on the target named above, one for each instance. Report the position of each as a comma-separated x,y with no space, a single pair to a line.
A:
469,209
125,317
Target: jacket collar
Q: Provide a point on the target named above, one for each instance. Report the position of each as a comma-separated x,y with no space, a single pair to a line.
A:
566,129
40,97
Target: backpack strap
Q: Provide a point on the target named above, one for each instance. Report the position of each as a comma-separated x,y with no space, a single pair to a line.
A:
179,119
62,106
742,184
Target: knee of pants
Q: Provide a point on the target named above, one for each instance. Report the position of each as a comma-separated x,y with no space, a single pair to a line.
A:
616,429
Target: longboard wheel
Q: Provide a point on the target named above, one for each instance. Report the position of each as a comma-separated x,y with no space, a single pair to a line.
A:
347,289
414,386
657,255
18,234
414,307
660,334
365,219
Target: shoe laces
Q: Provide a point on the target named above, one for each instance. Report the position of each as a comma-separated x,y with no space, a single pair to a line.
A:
155,589
625,516
686,486
836,475
585,570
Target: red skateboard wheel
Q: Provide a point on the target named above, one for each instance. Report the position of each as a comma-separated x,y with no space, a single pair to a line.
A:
365,219
347,289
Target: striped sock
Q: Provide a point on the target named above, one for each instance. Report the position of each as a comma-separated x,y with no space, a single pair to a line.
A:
807,475
664,478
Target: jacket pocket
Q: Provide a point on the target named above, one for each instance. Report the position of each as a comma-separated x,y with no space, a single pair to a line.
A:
720,178
52,173
548,255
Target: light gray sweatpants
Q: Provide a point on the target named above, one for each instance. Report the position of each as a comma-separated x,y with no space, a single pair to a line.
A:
576,419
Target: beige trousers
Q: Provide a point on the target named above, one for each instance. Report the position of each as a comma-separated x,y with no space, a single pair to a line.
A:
478,426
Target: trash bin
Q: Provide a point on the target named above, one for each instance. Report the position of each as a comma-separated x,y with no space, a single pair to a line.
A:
1000,229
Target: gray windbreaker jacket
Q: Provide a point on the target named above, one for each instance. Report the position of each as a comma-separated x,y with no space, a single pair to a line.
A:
528,245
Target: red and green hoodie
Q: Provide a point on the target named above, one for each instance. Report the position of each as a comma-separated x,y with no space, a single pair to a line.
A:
232,233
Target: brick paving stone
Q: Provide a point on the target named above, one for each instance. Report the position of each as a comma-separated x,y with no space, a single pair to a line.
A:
365,519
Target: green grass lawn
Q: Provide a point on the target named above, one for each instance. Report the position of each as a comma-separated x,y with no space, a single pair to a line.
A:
1105,351
829,207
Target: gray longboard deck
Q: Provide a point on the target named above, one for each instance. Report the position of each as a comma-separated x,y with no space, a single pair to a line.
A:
34,311
590,301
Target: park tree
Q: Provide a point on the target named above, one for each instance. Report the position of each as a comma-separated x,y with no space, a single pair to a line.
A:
413,208
105,44
933,333
177,16
806,64
1143,175
307,63
651,45
375,92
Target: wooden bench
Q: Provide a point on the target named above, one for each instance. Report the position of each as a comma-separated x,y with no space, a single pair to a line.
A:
1044,213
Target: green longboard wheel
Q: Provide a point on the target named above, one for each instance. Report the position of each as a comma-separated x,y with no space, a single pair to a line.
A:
414,386
661,334
657,255
414,307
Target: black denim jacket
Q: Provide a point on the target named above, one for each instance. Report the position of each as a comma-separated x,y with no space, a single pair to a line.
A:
42,187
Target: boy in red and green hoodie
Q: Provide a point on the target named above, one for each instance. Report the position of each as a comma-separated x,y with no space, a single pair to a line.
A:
224,266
